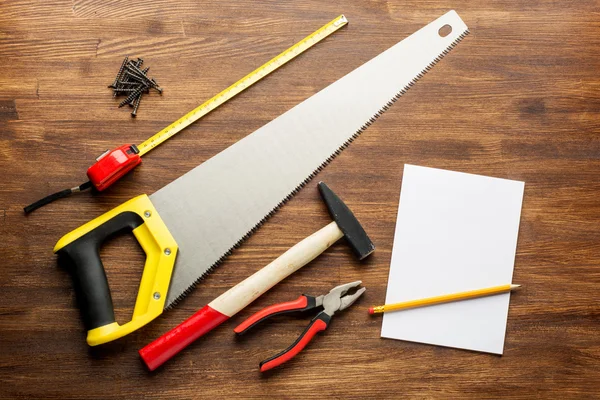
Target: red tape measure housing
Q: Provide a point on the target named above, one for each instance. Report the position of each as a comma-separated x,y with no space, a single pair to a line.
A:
112,165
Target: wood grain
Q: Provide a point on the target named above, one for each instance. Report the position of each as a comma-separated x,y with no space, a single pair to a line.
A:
518,99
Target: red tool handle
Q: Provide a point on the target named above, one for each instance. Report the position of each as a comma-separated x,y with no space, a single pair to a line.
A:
302,303
172,342
318,324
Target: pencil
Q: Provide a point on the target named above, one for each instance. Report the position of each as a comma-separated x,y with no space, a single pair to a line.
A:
446,298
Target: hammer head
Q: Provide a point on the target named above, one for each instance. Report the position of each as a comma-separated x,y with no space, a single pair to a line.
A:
347,222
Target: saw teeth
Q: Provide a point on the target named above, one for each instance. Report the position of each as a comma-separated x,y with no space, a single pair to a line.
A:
384,108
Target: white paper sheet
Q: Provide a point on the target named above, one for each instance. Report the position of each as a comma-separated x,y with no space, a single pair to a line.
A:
454,232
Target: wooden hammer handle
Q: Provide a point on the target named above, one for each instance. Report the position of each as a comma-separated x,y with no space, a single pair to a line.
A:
245,292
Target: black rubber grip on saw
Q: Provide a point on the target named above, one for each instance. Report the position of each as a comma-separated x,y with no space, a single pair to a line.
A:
82,258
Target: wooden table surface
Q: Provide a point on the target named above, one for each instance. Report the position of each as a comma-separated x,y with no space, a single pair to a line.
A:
519,98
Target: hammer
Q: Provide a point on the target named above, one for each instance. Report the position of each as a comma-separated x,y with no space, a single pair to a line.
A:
235,299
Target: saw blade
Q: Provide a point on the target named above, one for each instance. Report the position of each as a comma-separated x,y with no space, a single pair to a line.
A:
214,207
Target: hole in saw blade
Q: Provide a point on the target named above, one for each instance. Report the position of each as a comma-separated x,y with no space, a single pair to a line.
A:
445,30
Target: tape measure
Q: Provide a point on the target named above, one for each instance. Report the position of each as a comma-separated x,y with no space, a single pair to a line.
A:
242,84
114,164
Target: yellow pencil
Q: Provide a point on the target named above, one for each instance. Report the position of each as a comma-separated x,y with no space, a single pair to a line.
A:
443,299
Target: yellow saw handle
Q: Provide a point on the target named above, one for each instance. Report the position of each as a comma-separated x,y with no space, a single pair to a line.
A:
79,250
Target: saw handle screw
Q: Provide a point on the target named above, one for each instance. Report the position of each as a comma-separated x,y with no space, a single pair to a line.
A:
156,296
147,214
168,251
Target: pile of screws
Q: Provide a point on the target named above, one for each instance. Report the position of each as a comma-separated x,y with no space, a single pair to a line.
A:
132,81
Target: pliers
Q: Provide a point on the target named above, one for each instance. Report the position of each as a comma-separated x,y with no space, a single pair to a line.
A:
336,300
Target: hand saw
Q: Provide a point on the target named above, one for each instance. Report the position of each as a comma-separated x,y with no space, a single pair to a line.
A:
210,210
113,164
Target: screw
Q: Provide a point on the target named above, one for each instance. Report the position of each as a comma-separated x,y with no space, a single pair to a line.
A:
147,213
156,295
137,79
132,102
136,72
120,72
135,107
133,66
119,90
155,86
133,95
148,82
167,251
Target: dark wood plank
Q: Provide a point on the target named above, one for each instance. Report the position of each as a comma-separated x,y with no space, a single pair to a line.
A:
517,99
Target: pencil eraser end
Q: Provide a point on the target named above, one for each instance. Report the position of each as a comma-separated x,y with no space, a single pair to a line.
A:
371,310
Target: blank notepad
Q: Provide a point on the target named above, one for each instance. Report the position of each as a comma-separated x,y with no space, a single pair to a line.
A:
455,232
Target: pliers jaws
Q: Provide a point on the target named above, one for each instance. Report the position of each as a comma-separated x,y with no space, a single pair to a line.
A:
338,300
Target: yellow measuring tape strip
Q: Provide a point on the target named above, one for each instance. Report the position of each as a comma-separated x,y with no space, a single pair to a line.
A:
242,84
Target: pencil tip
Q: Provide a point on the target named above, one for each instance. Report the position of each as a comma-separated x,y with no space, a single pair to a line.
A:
512,287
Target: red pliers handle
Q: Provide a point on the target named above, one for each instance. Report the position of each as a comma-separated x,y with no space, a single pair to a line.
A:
317,324
302,303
